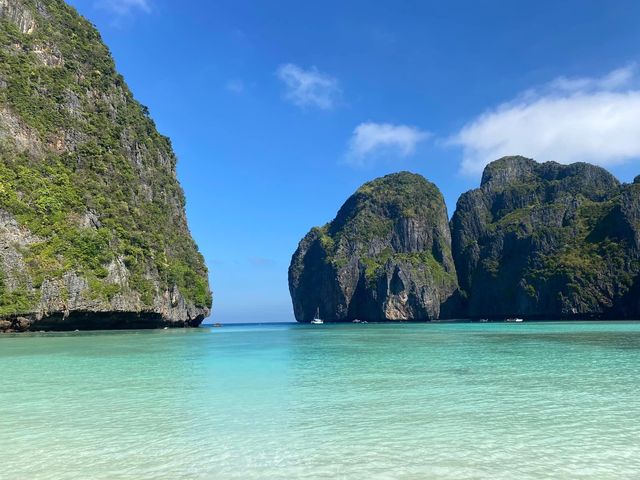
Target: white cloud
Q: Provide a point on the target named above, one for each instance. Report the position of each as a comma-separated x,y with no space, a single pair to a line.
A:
617,79
594,120
309,88
125,7
370,140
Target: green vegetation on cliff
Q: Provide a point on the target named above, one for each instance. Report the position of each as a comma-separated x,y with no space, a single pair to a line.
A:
537,240
84,170
544,240
382,257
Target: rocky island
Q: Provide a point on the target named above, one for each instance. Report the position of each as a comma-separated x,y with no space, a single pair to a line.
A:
386,256
548,241
536,240
93,232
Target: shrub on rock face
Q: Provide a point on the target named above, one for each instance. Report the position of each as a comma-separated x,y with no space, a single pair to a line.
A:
386,256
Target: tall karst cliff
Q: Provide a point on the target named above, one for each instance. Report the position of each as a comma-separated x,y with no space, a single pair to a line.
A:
548,241
536,240
386,256
93,231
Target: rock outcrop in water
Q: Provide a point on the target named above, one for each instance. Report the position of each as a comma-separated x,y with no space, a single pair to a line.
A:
93,231
536,240
386,256
548,241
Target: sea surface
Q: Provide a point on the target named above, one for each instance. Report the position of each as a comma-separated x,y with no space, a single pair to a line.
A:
375,401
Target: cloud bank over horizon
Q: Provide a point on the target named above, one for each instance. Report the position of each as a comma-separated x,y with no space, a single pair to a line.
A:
591,119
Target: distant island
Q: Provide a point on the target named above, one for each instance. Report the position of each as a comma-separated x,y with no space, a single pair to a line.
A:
536,240
93,232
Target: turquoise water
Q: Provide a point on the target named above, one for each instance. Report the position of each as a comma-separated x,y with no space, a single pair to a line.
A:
428,401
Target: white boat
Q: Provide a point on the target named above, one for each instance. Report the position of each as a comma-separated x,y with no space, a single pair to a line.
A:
316,319
518,320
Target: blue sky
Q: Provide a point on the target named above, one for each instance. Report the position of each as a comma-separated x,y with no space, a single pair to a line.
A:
279,110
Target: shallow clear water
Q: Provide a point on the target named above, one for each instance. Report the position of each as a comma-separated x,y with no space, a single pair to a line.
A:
441,401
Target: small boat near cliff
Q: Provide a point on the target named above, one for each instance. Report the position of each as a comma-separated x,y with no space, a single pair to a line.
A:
516,320
316,319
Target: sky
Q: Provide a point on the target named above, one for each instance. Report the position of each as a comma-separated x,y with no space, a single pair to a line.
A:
279,110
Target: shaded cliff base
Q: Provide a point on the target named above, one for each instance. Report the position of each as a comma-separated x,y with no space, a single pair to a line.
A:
78,320
526,318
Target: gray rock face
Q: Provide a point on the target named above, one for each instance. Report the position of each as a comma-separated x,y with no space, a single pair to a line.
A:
93,232
547,241
386,256
536,240
17,13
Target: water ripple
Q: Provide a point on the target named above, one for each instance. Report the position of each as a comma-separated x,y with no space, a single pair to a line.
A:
493,401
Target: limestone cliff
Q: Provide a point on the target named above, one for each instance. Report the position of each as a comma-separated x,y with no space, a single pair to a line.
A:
386,256
93,231
548,241
536,240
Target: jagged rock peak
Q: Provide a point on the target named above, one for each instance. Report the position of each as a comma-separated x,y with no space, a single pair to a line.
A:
509,171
